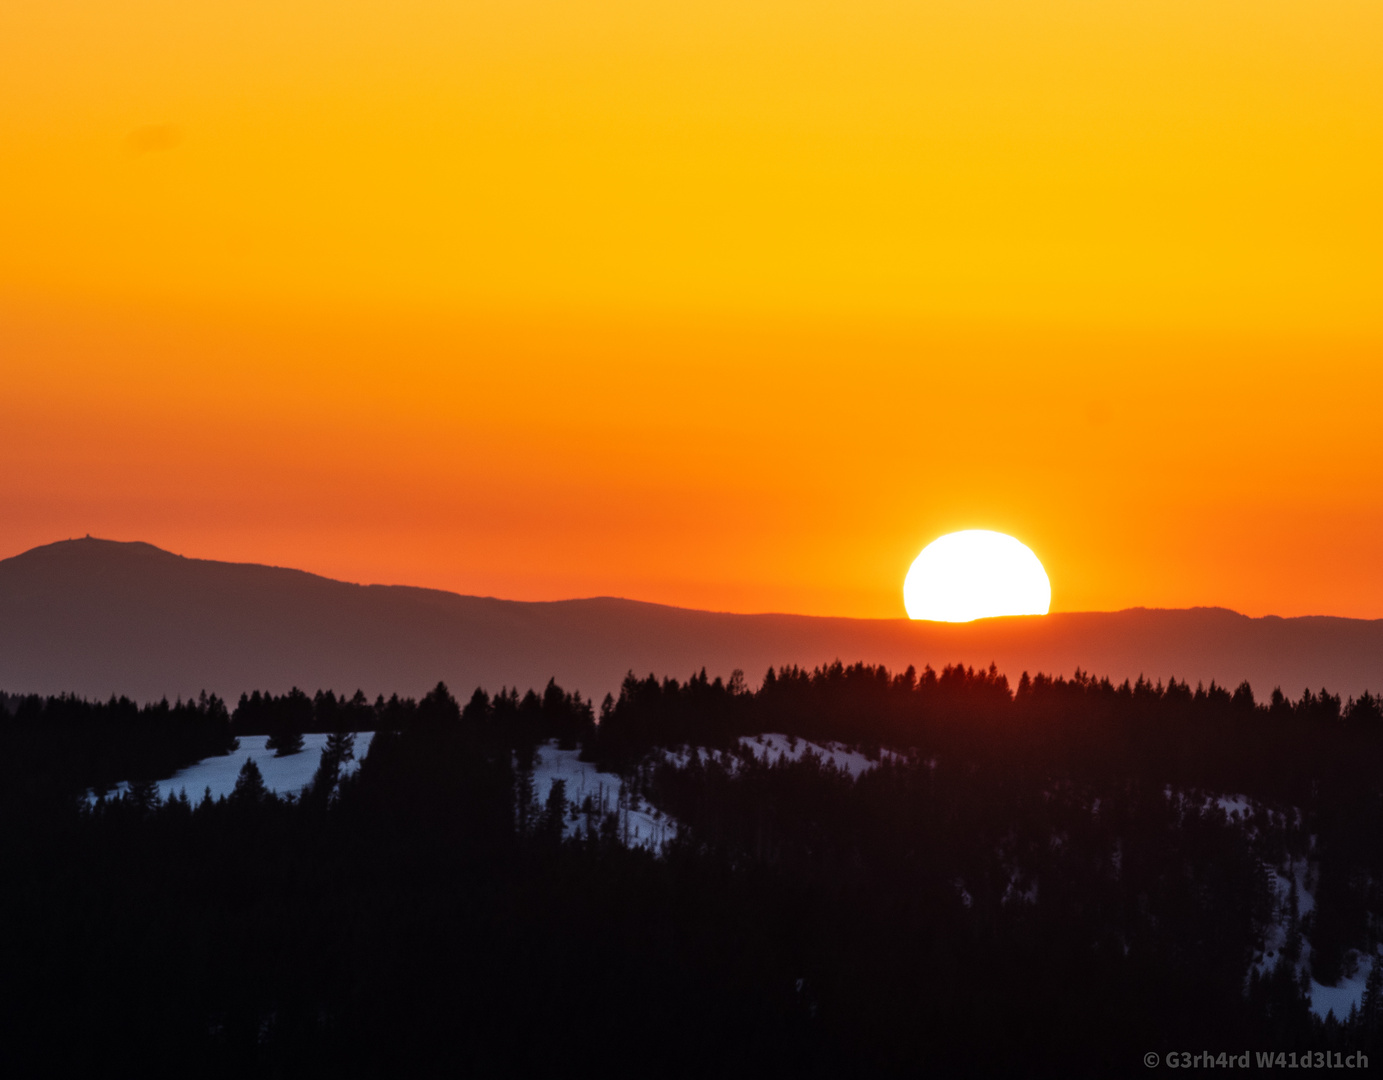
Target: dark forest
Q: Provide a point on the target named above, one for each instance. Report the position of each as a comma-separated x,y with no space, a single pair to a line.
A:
1040,879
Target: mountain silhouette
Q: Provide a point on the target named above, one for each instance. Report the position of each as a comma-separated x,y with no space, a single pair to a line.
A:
96,617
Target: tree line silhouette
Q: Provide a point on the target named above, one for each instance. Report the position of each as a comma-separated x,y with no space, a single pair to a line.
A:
1037,879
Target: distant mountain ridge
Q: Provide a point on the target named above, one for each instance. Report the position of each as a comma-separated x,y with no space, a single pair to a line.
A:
96,617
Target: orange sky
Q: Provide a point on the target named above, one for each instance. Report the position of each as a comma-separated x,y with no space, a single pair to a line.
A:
732,305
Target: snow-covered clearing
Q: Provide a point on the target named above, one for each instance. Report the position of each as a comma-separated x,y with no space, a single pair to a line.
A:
1340,999
647,826
1324,999
285,775
1296,873
643,824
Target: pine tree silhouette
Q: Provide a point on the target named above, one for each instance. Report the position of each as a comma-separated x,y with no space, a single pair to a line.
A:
249,785
555,812
143,795
1371,1014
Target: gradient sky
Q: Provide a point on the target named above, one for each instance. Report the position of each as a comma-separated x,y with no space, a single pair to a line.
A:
725,304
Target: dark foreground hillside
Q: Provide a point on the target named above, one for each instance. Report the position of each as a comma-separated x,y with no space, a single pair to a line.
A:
1040,880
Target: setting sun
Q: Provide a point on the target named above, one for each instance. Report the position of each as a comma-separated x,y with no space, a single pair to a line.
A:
976,574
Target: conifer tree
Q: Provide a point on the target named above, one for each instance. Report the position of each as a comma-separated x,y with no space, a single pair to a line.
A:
524,800
339,748
143,795
324,779
290,716
1292,948
1371,1015
249,785
285,742
438,708
555,812
477,711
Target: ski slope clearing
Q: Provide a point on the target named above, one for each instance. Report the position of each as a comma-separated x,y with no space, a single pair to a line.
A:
282,775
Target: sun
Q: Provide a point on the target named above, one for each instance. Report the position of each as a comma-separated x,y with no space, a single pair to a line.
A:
976,574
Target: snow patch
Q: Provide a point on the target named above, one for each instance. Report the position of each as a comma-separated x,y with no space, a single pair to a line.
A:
1234,806
640,822
1340,999
773,748
284,775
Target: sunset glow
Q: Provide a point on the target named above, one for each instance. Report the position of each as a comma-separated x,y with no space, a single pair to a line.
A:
687,302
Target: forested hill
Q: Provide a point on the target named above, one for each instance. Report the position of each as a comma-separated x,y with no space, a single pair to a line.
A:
96,617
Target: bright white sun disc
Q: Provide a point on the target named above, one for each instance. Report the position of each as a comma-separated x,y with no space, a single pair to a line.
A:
976,574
